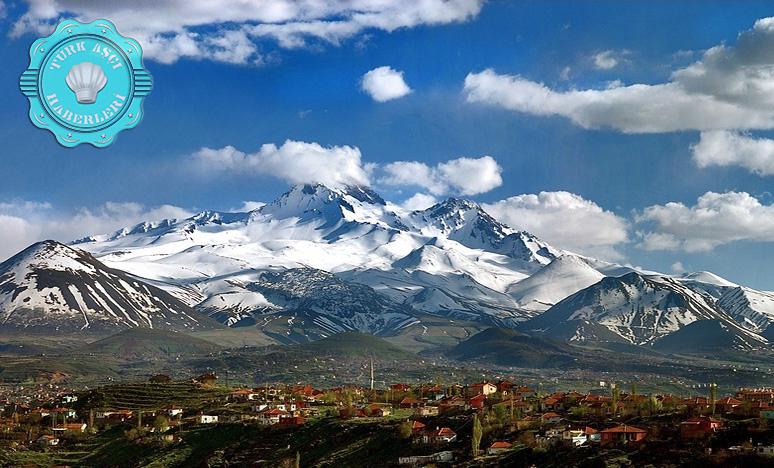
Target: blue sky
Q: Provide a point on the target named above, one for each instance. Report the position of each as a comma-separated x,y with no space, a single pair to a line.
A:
312,93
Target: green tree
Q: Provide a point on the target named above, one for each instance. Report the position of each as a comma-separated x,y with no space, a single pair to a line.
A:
713,396
405,429
615,393
161,423
477,433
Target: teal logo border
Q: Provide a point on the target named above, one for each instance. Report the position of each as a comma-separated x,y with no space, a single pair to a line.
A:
31,83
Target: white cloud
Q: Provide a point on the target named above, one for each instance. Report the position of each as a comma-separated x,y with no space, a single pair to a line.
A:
248,205
385,84
729,148
730,87
716,219
296,162
174,29
24,222
605,60
464,176
419,201
678,267
565,219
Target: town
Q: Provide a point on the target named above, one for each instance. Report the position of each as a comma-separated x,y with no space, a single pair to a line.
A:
180,422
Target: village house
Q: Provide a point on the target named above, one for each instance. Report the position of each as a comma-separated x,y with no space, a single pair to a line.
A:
452,403
64,412
400,387
765,395
426,411
699,427
173,412
70,427
623,434
270,416
243,394
206,419
498,446
504,386
409,402
378,409
551,418
592,435
291,420
417,427
575,436
442,435
483,388
727,405
477,402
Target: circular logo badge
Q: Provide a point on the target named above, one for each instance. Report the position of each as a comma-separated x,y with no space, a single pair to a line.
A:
85,83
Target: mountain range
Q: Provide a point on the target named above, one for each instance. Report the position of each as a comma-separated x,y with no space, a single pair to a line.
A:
318,261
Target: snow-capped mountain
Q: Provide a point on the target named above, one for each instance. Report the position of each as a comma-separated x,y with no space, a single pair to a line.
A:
640,309
458,260
50,286
318,260
467,223
560,278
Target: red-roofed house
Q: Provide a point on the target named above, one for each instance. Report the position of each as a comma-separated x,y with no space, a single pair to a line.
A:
483,388
498,446
551,418
623,434
477,402
699,428
443,435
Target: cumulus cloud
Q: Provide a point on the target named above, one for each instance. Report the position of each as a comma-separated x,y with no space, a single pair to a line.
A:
564,219
463,176
730,148
716,219
25,222
419,201
678,267
205,29
384,84
606,60
296,162
729,88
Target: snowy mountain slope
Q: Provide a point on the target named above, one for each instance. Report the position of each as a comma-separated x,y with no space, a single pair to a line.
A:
640,309
467,223
210,259
752,309
456,296
552,283
50,286
337,304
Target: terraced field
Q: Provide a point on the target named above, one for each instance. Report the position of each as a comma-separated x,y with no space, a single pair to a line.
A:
147,396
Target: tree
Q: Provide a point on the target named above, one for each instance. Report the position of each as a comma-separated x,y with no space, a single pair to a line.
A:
499,411
713,396
615,393
405,429
161,424
477,433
